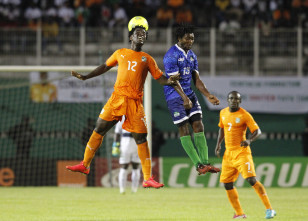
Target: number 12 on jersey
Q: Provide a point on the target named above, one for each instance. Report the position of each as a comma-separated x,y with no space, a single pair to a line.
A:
131,65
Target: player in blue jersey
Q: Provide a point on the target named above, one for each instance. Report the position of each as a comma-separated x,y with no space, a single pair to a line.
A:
185,108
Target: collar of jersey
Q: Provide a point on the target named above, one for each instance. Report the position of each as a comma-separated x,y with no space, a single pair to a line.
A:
182,50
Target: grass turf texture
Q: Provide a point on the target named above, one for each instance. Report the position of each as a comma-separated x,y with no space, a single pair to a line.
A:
89,204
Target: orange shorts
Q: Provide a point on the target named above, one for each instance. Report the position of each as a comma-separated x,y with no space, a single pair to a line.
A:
118,106
235,162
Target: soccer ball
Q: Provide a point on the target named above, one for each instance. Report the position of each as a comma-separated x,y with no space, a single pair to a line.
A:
138,21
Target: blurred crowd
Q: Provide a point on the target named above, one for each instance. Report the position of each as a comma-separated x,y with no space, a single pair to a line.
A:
222,14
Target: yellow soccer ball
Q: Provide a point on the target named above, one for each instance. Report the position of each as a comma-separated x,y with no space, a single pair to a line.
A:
138,21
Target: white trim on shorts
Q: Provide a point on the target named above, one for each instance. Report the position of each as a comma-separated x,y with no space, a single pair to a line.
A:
186,118
173,73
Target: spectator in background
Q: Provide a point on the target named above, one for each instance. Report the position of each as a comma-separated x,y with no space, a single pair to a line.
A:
296,9
264,19
235,8
59,3
184,15
222,5
138,8
175,5
205,13
90,12
221,9
50,30
262,10
94,7
33,15
43,91
10,13
66,15
230,26
152,7
273,5
119,18
250,12
51,11
22,135
105,14
164,17
265,26
281,17
13,15
305,7
82,13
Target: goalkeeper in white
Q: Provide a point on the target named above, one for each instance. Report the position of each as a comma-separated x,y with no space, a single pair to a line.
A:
125,146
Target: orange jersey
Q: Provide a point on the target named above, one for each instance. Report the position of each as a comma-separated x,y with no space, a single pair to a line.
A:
235,125
133,68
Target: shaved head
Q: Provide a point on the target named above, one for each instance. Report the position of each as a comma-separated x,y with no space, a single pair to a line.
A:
234,100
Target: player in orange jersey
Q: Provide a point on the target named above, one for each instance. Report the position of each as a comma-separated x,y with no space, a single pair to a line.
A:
133,67
233,123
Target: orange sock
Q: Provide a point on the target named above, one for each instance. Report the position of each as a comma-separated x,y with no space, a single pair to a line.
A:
260,190
144,155
94,143
234,200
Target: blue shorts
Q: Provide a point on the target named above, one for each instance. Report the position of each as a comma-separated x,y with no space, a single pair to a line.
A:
178,112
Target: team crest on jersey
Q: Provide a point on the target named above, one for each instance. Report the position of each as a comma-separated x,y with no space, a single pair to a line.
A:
192,59
144,59
237,120
176,114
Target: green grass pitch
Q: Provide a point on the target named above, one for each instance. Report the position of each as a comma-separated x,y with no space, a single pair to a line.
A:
91,204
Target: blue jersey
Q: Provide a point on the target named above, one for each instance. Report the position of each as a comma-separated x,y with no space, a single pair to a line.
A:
177,61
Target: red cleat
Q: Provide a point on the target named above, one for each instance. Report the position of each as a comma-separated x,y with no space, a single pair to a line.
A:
79,168
151,183
203,169
239,216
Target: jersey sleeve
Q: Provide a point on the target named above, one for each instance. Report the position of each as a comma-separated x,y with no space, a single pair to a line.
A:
220,124
171,64
112,60
252,125
154,69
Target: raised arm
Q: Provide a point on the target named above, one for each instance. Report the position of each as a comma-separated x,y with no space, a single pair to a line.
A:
96,72
202,88
220,138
